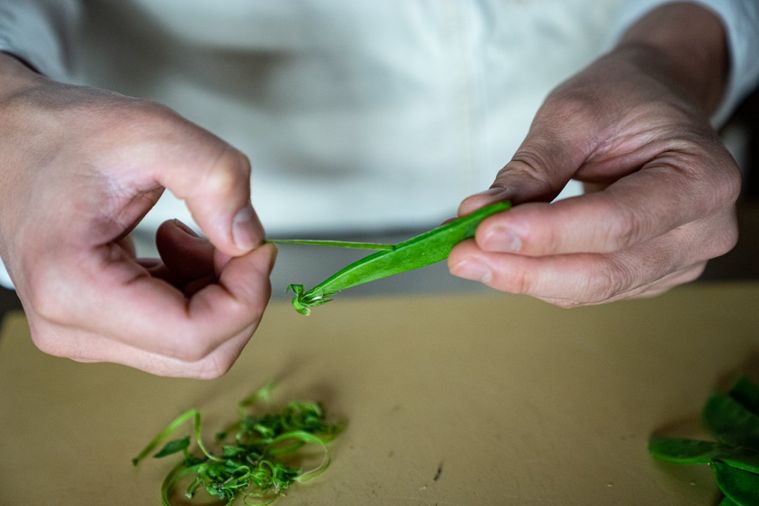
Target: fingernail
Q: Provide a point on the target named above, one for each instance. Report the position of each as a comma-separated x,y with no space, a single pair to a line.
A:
184,228
491,194
504,240
244,231
496,190
482,198
474,270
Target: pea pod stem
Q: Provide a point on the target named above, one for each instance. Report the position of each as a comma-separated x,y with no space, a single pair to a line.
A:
419,251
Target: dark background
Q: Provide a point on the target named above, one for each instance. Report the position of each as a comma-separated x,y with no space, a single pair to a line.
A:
740,264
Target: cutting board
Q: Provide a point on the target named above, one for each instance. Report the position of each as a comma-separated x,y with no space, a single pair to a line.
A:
450,400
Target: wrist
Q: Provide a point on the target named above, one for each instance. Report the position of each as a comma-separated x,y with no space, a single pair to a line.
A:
684,44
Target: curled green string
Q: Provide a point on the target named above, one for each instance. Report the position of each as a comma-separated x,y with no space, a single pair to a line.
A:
250,464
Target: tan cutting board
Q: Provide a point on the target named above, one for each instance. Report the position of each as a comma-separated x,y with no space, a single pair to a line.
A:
514,401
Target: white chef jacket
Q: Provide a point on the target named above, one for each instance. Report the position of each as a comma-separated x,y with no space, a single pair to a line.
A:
358,115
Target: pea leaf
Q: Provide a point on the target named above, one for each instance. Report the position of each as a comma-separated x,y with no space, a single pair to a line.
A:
746,394
173,447
733,418
741,458
685,451
741,487
692,451
730,422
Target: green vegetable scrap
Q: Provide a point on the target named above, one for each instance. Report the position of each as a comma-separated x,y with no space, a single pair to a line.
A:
419,251
258,452
733,419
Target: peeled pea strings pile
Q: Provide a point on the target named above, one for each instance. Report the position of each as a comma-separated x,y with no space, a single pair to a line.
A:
257,453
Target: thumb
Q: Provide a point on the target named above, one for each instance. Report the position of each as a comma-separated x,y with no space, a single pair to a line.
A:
550,155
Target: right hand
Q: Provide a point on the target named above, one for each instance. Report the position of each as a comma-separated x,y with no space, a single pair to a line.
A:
80,168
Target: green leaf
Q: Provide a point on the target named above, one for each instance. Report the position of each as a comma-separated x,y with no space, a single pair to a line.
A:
173,447
741,458
746,394
741,487
730,422
733,418
692,451
685,451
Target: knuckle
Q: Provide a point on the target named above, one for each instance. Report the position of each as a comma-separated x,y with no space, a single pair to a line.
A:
729,236
154,111
727,185
566,102
621,227
214,367
138,120
718,173
611,280
554,240
41,293
47,342
731,241
194,347
566,107
228,171
145,116
528,164
694,273
519,282
192,351
718,236
251,300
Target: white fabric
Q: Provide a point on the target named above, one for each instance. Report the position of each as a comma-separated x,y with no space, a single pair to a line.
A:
38,31
741,21
5,279
358,115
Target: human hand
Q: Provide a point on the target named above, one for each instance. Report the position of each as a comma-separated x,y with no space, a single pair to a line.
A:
81,167
637,121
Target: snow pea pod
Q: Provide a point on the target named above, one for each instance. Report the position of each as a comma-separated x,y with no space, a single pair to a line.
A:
419,251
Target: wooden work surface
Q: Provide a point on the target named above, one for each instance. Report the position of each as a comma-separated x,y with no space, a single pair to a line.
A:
514,401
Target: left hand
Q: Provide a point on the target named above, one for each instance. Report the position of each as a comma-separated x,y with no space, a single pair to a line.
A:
627,122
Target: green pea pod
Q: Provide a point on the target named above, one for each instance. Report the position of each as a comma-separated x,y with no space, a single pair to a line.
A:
741,487
419,251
